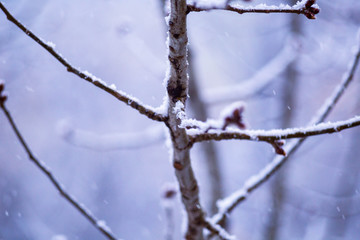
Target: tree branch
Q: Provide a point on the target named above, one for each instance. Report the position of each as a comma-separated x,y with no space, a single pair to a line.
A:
148,111
273,135
109,142
305,7
177,89
99,224
229,203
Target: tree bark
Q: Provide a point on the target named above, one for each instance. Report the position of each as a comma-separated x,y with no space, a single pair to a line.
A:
177,89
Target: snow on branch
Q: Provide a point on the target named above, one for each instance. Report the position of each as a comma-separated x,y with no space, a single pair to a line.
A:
256,83
306,7
110,142
211,133
99,224
229,203
133,102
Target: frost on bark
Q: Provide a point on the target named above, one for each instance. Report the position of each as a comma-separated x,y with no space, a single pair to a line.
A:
177,89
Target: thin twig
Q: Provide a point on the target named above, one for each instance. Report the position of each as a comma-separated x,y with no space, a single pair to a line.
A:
99,224
229,203
305,7
120,95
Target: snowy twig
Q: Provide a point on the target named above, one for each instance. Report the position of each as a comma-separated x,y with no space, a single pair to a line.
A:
120,95
228,204
109,142
256,83
306,7
275,134
99,224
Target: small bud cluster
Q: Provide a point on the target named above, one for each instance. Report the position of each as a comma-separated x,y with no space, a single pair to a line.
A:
3,96
309,10
234,116
277,145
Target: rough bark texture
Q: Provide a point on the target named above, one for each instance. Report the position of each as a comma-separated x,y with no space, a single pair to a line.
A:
177,88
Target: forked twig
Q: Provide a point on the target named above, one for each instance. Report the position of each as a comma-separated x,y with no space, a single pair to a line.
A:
120,95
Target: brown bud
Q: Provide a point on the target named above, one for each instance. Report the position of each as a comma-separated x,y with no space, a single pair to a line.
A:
314,10
309,15
2,86
169,193
277,145
235,117
309,3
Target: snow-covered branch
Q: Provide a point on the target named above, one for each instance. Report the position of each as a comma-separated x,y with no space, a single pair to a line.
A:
133,102
270,135
306,7
109,142
262,78
99,224
229,203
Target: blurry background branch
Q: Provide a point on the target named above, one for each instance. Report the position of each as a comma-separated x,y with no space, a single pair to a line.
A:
99,224
258,82
109,142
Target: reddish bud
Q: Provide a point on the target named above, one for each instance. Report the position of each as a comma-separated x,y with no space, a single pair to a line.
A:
309,3
233,115
314,10
169,193
277,145
309,15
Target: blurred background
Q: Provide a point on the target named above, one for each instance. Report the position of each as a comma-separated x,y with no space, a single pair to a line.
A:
79,130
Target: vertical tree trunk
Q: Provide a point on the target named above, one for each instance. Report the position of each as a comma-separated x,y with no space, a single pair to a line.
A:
177,89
